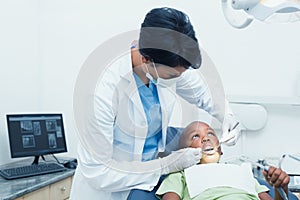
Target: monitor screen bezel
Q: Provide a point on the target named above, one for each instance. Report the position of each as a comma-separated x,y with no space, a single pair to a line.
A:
36,153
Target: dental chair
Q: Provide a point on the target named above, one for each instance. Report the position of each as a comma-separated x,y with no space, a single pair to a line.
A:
143,194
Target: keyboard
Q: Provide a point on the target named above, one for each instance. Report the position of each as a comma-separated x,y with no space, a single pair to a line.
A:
31,170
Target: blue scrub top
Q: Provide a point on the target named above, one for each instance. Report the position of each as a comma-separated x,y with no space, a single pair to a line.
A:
151,104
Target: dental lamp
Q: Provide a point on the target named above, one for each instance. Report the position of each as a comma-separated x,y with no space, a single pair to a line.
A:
240,13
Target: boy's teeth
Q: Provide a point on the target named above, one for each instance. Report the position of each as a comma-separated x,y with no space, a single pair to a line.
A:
209,149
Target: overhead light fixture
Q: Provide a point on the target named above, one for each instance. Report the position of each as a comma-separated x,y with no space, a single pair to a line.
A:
240,13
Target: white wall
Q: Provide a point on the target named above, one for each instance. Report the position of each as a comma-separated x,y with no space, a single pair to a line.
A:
19,68
44,44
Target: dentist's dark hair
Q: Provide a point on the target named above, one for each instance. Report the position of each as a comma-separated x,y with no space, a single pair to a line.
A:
168,37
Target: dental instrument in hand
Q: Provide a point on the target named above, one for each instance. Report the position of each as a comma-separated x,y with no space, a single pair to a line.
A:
266,168
235,126
232,136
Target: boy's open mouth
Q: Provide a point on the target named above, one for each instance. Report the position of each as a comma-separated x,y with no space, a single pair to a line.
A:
208,150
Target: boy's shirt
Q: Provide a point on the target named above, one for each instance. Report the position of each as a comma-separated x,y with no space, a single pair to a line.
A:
176,183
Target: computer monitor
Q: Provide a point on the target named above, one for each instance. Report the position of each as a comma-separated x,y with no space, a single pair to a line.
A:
36,135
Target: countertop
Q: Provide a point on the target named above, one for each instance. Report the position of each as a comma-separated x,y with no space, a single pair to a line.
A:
11,189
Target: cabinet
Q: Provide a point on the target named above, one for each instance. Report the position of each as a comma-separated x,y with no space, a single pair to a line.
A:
56,191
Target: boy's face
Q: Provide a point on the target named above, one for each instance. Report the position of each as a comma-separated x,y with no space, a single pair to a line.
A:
200,135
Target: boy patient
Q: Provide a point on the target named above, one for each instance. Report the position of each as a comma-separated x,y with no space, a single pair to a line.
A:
200,135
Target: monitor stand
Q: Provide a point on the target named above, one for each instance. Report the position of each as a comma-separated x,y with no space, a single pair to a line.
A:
36,160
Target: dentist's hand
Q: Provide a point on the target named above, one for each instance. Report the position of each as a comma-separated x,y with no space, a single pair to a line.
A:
231,131
180,159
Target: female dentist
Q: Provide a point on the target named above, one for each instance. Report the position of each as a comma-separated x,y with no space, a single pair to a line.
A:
132,107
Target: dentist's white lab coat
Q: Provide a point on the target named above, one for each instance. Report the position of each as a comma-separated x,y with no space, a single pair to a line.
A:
121,131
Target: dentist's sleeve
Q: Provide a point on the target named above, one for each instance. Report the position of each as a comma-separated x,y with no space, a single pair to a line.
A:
113,176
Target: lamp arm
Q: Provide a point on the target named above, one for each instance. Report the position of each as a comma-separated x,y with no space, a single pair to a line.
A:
244,4
232,19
